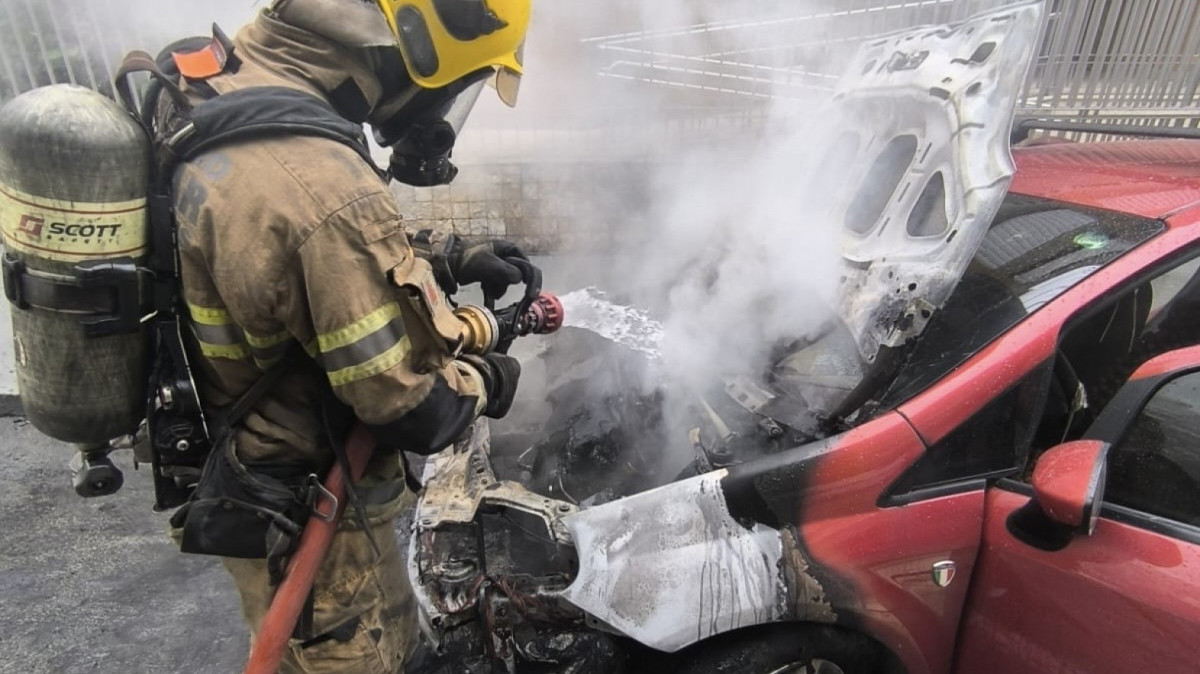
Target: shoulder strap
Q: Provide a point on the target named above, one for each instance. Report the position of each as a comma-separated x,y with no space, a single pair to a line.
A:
263,112
257,112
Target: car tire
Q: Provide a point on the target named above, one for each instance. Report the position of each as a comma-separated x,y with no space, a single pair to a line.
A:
790,649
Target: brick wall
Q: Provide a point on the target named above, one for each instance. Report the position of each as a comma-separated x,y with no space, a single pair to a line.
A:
544,207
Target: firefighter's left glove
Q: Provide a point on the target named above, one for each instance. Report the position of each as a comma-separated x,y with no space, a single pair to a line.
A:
487,264
500,374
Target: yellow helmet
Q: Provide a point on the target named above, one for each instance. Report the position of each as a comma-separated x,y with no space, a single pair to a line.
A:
445,40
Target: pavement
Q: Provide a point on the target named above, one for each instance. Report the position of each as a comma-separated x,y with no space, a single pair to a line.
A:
95,585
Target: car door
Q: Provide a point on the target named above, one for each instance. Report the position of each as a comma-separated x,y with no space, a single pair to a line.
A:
1127,597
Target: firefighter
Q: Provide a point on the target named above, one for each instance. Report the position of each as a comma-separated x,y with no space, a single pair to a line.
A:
297,239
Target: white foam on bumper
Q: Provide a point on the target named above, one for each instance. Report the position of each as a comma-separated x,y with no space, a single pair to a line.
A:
670,567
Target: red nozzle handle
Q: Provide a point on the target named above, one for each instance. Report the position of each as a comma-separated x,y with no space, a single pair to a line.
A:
545,314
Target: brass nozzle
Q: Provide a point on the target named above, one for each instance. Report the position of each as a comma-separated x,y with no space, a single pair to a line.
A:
480,333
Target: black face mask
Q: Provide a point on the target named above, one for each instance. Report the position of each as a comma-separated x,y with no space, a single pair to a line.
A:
421,131
421,157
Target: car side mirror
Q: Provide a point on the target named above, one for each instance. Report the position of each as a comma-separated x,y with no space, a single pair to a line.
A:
1068,485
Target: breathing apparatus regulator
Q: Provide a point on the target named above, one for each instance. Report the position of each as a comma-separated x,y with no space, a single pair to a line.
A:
90,268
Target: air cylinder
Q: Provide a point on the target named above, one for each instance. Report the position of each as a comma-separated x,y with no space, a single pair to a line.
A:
73,180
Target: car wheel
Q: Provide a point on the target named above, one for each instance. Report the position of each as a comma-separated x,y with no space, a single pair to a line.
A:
789,649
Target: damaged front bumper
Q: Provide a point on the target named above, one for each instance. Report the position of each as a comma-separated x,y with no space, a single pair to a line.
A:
505,576
488,560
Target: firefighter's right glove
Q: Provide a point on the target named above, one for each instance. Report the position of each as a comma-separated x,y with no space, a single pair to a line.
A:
485,263
500,374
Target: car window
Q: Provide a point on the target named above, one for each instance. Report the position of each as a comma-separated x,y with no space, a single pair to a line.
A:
1155,467
1103,343
992,443
1168,286
1034,251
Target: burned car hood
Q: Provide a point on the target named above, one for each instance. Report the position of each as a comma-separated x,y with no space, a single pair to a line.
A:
913,176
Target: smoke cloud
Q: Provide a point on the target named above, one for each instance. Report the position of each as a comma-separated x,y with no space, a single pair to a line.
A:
153,24
720,220
711,113
712,107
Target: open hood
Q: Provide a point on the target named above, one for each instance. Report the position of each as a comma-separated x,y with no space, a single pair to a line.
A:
915,175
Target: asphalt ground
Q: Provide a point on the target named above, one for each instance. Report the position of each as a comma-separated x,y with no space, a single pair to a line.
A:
95,585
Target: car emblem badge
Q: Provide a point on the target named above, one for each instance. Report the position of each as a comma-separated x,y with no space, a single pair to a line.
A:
943,572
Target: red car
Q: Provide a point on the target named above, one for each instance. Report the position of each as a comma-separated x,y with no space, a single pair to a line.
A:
994,467
965,526
939,522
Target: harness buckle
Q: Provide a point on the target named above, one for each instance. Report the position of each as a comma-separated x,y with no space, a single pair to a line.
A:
321,492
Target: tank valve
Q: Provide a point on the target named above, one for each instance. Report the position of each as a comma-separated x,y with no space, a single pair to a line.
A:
94,473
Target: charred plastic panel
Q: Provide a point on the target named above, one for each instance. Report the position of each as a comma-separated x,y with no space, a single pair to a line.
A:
487,559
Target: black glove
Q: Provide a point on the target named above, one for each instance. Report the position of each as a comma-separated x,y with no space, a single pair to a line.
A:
500,375
437,248
484,263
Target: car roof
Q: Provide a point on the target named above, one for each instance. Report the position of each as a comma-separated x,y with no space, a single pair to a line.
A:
1150,178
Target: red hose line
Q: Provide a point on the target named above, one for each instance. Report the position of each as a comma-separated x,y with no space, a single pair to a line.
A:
280,620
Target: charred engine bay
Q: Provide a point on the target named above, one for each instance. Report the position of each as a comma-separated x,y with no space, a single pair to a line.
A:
609,428
601,426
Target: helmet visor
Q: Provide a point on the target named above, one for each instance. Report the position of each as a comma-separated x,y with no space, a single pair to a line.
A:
507,85
461,106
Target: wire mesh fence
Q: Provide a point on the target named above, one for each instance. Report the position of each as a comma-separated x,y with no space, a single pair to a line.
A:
1125,60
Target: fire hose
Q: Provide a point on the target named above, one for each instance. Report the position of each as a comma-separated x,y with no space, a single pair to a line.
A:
484,330
280,620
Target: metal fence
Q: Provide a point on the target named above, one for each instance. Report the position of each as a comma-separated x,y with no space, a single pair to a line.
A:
1131,60
40,46
613,84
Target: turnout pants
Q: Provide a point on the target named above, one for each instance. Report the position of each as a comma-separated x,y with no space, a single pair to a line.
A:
364,614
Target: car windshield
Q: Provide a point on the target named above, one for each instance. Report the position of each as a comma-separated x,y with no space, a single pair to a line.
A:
1034,251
